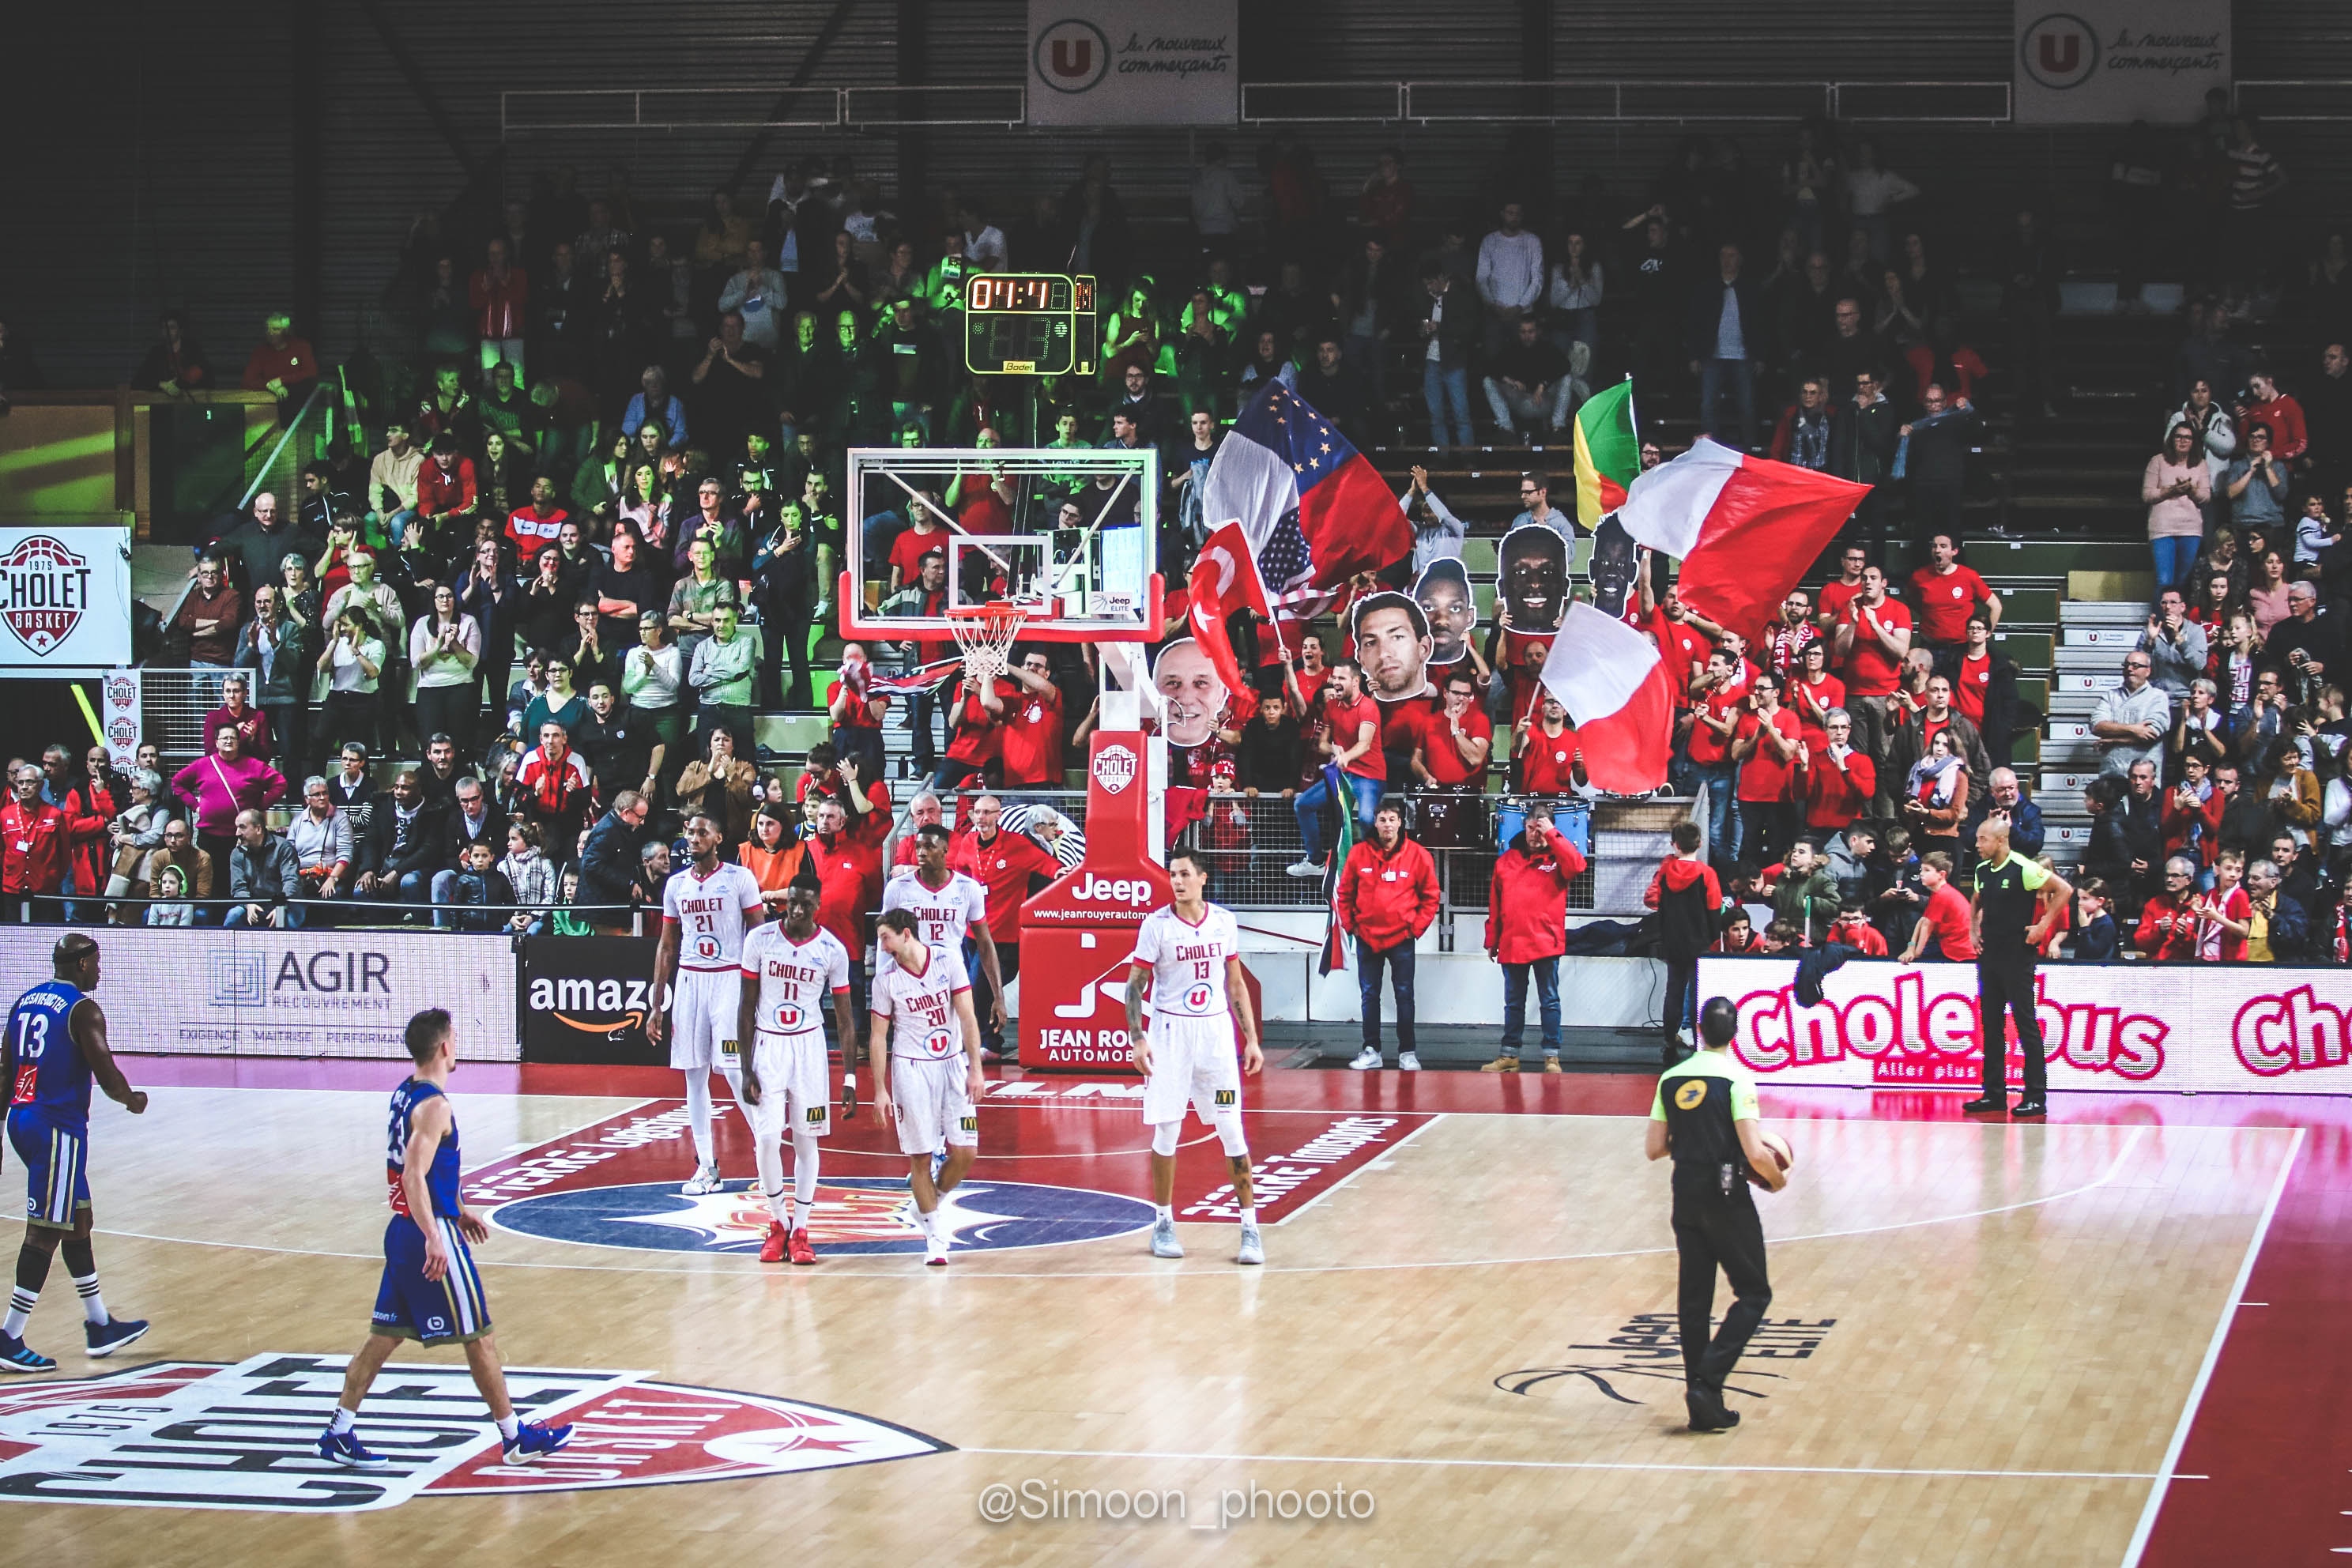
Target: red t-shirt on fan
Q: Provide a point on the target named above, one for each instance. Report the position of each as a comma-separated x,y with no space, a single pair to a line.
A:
977,733
1945,601
1869,670
1969,690
1445,759
906,553
1032,735
1680,645
1346,720
1707,748
1832,602
1763,776
1544,767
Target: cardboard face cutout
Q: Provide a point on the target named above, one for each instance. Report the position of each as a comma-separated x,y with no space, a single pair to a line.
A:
1193,691
1616,562
1444,594
1532,578
1392,645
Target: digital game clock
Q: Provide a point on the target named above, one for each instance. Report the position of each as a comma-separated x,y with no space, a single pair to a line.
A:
1030,323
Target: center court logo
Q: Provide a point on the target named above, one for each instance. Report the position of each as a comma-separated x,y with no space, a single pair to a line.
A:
854,1214
205,1434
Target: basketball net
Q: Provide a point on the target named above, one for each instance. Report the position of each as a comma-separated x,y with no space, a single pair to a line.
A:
986,632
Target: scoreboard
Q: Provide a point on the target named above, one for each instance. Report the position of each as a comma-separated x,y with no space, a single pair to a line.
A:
1030,323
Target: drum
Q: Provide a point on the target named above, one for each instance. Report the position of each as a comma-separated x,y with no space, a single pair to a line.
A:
1449,818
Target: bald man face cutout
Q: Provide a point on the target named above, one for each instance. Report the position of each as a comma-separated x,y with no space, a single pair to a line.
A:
1190,687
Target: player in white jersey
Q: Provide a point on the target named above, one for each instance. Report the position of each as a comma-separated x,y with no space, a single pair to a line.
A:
951,909
790,969
1190,953
706,910
926,1055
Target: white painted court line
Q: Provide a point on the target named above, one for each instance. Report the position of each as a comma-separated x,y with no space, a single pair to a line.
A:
1384,1154
1567,1464
2165,1472
1208,1268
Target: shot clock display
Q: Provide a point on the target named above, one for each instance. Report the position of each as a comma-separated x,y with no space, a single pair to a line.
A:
1030,323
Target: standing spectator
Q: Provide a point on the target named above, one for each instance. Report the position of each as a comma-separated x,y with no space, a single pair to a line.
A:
2175,646
443,649
174,364
209,617
1835,781
1873,637
1862,443
282,366
1527,932
1936,461
2129,723
1008,866
2030,270
2256,483
2175,488
2003,802
1948,593
352,664
1386,896
553,789
1945,932
721,783
1936,793
1449,335
136,831
1685,893
611,871
1765,746
1725,335
756,293
1510,275
499,293
260,543
251,723
2217,436
1803,892
1802,436
1573,300
1870,191
36,843
724,674
2290,437
265,877
1217,198
219,785
1353,749
1268,750
279,652
1719,695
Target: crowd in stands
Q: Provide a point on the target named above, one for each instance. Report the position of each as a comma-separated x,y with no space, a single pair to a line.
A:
600,514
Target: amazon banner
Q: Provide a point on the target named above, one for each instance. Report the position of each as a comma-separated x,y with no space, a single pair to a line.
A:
199,991
2250,1028
585,999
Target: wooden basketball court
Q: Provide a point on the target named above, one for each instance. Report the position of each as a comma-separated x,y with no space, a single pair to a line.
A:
1986,1343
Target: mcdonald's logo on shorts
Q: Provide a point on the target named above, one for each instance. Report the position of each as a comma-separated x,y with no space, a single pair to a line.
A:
1227,1097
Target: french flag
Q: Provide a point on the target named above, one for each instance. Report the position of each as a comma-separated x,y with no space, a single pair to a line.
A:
1315,511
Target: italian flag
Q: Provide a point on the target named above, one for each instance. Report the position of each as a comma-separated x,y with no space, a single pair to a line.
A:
1610,679
1608,453
1744,528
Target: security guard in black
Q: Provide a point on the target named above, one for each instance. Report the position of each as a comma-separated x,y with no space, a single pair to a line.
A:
1701,1101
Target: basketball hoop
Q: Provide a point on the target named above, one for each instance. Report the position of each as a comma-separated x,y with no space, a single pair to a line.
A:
986,634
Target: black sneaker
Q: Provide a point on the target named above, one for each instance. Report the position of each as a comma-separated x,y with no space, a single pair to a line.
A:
2030,1108
1708,1413
1992,1105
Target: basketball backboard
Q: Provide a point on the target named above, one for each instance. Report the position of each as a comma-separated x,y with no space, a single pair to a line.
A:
1072,536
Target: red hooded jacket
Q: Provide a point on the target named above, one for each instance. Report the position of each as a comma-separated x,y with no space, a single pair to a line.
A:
1387,900
1527,904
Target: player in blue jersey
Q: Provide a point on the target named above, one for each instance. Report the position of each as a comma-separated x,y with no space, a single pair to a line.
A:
56,1049
431,1291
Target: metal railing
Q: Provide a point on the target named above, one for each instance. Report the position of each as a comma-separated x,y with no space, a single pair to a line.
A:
870,106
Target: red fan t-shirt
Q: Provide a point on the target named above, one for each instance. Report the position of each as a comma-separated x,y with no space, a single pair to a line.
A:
1945,601
1869,670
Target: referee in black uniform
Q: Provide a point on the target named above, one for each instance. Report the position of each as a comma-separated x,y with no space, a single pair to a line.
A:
1705,1116
2011,890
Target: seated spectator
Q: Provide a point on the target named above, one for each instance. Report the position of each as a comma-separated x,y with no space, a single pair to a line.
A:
1853,929
2092,939
2278,925
135,834
171,907
179,851
1528,385
448,497
403,846
471,820
531,878
479,895
265,877
321,836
